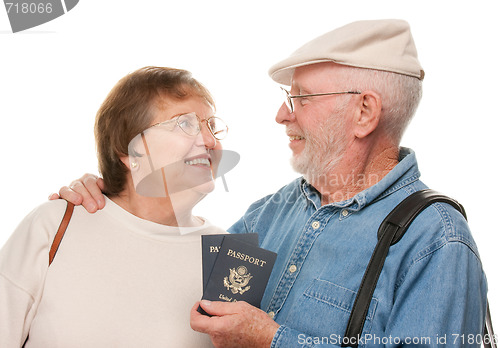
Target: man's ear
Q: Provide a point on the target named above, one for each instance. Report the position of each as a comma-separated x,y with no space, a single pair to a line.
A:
368,116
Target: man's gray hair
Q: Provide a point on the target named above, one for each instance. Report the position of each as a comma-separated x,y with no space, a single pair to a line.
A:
400,95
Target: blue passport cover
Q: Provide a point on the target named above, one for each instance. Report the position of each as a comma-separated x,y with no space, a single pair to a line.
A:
210,246
240,273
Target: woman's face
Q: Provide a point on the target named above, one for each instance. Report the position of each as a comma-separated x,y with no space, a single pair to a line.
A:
173,161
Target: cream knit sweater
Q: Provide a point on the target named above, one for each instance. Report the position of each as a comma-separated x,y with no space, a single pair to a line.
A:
116,281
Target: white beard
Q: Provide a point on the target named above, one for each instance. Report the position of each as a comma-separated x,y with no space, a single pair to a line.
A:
322,151
320,156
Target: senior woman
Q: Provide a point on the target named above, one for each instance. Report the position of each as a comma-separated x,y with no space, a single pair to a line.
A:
128,275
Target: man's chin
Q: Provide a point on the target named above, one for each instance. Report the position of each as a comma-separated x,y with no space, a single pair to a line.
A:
298,165
304,167
313,173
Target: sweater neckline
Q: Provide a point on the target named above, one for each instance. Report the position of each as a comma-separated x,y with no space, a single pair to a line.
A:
132,222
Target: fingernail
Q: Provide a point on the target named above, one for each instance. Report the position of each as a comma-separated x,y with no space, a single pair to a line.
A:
206,302
51,196
92,207
99,203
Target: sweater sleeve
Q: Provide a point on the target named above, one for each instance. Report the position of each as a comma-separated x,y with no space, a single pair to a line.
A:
16,313
23,267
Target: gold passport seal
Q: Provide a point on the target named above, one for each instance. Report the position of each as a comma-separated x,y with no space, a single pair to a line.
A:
238,280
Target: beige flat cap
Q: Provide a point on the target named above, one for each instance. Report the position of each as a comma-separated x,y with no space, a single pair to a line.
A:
374,44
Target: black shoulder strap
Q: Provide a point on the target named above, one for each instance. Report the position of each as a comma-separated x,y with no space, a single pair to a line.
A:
390,232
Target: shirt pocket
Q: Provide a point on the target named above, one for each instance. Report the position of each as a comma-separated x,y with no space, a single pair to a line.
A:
323,310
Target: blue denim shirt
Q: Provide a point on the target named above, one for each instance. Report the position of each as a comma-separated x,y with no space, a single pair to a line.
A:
432,289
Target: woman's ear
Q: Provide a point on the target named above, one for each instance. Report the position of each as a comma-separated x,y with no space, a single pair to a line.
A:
128,163
368,116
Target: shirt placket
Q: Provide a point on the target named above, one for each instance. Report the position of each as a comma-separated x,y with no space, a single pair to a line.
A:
312,229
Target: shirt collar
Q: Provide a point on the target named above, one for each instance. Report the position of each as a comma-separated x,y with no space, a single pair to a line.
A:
404,173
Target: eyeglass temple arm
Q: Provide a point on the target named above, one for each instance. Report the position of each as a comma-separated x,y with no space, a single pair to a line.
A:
318,94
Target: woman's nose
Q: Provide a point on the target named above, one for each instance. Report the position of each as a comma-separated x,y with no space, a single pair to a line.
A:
206,137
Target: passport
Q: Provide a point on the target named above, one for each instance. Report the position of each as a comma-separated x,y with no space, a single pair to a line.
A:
240,273
210,246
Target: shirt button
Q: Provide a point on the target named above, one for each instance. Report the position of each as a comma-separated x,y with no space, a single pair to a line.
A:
292,269
271,314
345,213
315,225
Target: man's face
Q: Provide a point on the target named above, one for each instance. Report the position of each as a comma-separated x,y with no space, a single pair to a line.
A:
317,128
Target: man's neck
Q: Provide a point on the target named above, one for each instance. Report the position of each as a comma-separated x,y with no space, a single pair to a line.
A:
354,174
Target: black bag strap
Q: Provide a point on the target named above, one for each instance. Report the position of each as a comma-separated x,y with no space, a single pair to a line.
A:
390,232
489,338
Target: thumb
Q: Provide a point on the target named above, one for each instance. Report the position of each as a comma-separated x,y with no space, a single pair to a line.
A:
220,308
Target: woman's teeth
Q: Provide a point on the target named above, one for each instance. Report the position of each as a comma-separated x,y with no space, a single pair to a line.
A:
202,161
296,137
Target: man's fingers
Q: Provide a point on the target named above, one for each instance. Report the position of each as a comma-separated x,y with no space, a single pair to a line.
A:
204,323
53,196
220,308
77,194
85,191
88,202
100,183
94,186
200,322
71,196
234,324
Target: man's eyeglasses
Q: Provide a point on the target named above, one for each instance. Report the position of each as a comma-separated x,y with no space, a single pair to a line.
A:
289,98
190,124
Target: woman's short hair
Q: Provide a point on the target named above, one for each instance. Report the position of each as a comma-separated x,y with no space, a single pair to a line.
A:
127,111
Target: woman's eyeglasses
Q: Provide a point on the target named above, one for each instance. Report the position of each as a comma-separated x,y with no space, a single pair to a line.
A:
191,124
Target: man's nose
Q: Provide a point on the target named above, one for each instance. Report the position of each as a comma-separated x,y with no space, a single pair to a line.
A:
284,115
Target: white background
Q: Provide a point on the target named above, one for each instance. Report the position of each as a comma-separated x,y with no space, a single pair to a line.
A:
54,77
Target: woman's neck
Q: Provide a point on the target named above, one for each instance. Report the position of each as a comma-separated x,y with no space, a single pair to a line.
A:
170,210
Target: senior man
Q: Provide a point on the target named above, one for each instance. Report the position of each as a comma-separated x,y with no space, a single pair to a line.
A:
353,92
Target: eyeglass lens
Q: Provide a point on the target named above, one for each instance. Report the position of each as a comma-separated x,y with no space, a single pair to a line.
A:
288,100
191,125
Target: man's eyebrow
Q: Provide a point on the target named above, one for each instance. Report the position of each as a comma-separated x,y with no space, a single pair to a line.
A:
300,89
303,90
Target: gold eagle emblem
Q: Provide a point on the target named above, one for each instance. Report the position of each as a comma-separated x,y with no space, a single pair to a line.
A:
238,280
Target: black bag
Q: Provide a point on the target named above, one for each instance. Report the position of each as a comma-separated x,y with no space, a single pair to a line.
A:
389,233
